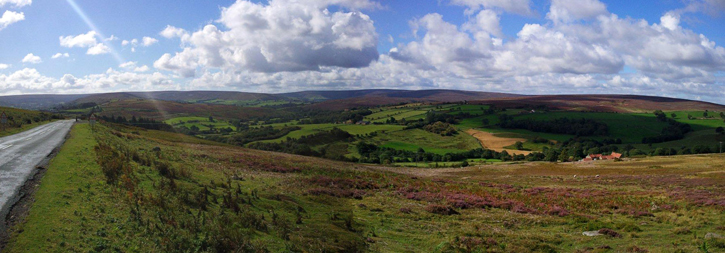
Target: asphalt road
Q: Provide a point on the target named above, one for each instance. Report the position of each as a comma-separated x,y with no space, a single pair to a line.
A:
21,153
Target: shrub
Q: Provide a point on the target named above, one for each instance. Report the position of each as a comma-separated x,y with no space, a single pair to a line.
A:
610,233
441,209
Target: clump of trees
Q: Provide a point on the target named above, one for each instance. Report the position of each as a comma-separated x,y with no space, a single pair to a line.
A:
578,127
444,129
673,131
141,122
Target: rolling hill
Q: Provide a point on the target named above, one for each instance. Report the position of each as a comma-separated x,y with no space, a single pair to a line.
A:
339,100
603,103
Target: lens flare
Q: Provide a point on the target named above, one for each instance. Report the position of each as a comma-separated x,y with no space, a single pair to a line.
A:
93,27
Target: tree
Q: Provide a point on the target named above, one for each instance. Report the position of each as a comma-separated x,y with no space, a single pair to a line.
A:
564,156
211,119
720,130
519,145
661,116
485,122
673,115
704,114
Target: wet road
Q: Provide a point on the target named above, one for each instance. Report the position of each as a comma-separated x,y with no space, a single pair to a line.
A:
21,153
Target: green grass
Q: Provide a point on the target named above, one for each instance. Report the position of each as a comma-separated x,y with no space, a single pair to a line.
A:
413,139
309,129
698,122
203,123
73,205
631,128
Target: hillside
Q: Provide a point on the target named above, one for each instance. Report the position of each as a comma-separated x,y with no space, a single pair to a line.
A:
20,120
127,189
36,102
604,103
163,110
369,98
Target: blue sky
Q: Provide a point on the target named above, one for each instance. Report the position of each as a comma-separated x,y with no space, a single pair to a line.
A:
671,48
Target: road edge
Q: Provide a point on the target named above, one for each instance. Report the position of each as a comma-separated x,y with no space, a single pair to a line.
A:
18,211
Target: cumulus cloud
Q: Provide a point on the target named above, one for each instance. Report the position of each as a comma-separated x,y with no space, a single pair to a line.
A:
59,55
283,35
4,66
29,80
99,48
16,3
521,7
88,40
31,58
148,41
82,40
571,10
10,17
134,67
173,32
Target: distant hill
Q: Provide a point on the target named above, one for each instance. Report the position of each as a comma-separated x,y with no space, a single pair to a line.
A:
604,103
205,95
36,102
339,100
428,95
342,100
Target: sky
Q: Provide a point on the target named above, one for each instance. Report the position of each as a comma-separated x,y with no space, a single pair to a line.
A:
668,48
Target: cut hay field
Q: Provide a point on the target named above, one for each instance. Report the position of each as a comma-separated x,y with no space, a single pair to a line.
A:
493,142
226,199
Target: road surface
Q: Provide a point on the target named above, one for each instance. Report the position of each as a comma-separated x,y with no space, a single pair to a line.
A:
21,153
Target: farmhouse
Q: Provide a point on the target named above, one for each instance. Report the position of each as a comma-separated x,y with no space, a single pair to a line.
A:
594,157
364,122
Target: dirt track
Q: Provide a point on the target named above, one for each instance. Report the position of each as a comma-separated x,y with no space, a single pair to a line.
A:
492,142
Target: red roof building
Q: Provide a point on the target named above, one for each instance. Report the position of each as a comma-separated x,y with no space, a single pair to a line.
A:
594,157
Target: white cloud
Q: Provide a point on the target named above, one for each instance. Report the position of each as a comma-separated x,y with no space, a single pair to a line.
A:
148,41
571,10
670,21
16,3
28,80
485,21
59,55
88,40
173,32
4,66
283,35
521,7
82,40
134,66
99,48
10,17
31,58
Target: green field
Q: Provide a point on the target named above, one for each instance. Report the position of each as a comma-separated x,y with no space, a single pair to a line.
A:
203,123
308,129
413,139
